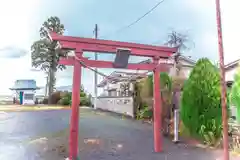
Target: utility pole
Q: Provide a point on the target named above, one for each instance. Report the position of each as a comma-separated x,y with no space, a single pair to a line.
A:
223,84
95,73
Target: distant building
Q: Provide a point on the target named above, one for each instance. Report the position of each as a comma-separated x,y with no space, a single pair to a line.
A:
118,83
230,71
115,84
25,91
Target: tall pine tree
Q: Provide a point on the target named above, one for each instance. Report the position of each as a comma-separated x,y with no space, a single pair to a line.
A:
45,54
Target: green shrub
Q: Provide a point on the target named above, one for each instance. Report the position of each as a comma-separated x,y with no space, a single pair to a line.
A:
65,98
82,94
145,112
64,101
235,94
165,82
85,101
55,97
201,101
208,136
45,101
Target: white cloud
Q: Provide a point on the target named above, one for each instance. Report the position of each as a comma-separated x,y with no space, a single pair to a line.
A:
12,52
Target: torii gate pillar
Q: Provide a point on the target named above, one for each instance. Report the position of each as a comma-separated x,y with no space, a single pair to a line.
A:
74,125
157,109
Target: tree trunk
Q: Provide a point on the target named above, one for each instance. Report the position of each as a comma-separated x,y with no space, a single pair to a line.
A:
51,84
47,85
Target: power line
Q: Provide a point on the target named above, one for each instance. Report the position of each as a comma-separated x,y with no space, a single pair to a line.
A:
137,20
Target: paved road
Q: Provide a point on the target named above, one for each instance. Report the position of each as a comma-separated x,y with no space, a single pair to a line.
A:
118,139
16,128
130,140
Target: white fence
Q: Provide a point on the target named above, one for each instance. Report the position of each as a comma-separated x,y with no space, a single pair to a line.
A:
122,105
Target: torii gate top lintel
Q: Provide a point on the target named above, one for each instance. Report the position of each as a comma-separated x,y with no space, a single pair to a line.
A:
107,46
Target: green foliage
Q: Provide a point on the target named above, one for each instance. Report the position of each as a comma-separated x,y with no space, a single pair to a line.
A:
235,93
52,24
64,101
82,94
143,93
208,136
137,100
65,98
44,51
165,82
145,112
85,101
201,101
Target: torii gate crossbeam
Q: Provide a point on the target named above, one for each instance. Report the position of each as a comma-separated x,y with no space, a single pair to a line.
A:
105,46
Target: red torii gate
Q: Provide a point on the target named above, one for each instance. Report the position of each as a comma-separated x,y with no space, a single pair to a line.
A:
105,46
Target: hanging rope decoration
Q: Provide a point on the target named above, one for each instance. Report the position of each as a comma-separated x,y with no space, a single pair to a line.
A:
110,78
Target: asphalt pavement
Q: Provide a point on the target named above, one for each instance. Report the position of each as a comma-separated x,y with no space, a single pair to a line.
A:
18,128
102,137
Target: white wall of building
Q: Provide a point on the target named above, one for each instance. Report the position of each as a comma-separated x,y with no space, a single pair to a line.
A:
230,73
121,105
28,97
186,70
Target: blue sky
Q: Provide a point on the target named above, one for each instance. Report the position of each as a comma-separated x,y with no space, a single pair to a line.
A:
21,20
